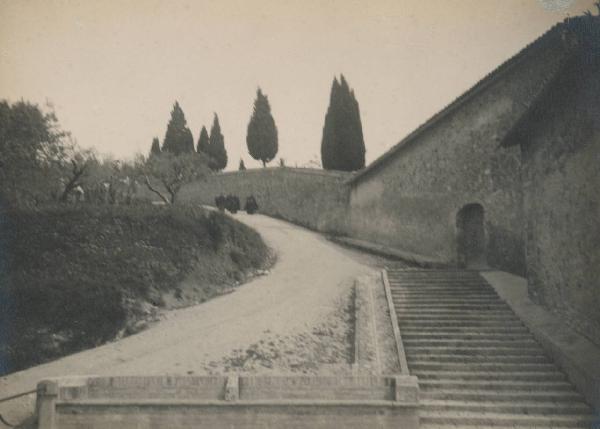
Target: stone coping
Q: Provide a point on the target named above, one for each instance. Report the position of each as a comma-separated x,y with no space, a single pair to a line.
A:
217,403
232,388
243,400
379,249
394,322
577,356
284,170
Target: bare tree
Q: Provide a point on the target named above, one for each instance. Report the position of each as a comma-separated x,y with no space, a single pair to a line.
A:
172,172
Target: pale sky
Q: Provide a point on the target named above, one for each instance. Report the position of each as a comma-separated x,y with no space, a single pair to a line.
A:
113,68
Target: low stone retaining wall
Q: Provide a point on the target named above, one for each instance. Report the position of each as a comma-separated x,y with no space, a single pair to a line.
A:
377,345
229,402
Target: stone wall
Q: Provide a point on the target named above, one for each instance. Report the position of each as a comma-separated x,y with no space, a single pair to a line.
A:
409,200
561,180
313,198
229,402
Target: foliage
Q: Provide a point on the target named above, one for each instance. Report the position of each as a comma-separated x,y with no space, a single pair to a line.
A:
262,132
242,165
38,161
172,172
155,148
71,276
217,152
30,145
342,146
178,138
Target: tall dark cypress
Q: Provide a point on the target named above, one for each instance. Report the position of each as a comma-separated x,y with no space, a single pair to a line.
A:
342,145
262,133
178,138
217,152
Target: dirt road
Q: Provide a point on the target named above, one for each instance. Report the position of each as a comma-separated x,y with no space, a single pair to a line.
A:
304,286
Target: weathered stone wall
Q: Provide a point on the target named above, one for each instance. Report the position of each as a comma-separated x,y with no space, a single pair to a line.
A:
561,178
232,402
410,200
313,198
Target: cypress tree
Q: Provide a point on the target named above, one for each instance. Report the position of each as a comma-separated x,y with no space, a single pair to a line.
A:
155,148
342,146
242,165
262,132
217,152
203,142
178,138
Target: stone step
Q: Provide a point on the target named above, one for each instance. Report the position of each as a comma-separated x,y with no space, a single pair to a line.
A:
480,321
438,279
497,420
481,376
517,407
493,304
495,385
477,351
487,359
479,395
436,342
452,271
439,301
416,286
420,365
406,294
437,297
452,332
453,426
458,334
450,305
440,293
394,275
413,324
464,308
454,313
446,287
499,317
441,278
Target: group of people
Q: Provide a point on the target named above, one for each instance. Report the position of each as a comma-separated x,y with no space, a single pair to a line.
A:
232,204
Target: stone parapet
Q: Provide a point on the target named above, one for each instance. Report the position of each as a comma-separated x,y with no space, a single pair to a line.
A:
229,402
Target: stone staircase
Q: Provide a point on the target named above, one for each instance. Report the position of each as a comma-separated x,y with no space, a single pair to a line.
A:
477,364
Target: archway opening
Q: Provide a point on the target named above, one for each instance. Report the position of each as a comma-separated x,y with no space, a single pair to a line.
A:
471,236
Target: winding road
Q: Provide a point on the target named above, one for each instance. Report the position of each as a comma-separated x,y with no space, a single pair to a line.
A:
309,278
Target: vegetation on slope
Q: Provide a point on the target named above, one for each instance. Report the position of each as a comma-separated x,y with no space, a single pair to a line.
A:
73,277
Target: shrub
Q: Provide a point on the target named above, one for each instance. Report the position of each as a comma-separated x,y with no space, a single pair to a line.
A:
70,277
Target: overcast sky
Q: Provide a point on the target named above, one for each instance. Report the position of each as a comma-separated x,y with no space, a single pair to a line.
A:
113,68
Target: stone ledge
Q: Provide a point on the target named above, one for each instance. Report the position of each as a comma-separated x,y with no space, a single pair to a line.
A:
394,322
249,401
578,357
378,249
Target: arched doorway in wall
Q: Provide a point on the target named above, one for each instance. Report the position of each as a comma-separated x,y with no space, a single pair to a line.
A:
471,236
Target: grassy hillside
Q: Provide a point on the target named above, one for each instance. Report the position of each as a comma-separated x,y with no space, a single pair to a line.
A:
73,277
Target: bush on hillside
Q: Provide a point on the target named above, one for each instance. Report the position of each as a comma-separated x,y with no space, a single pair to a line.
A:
70,277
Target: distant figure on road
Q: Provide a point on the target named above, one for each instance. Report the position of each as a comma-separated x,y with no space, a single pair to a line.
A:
251,206
232,203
